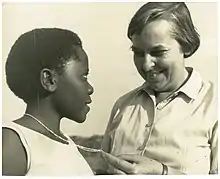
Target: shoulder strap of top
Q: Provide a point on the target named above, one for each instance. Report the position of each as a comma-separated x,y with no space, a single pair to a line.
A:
14,127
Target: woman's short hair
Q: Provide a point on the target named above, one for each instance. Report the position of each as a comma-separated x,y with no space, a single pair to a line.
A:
175,12
34,50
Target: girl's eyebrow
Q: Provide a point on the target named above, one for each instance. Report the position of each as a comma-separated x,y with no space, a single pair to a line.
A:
85,71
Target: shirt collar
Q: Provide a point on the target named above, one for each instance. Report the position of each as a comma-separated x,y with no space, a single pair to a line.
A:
193,85
191,88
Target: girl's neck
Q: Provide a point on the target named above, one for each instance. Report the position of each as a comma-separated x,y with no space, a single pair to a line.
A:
42,118
45,114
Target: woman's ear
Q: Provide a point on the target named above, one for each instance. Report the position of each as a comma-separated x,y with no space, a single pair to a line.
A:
186,54
48,79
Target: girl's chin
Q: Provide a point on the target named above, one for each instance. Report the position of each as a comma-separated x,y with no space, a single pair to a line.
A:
84,114
80,118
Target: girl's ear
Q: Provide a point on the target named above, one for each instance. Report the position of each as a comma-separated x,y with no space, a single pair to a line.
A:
49,79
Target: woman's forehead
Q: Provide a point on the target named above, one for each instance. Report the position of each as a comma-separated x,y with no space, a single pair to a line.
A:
156,32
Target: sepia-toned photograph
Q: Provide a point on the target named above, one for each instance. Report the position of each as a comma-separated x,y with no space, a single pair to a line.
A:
109,88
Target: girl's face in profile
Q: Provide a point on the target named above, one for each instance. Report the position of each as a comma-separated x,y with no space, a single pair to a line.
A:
72,95
158,57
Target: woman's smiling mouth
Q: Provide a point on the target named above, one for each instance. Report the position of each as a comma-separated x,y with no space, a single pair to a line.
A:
153,74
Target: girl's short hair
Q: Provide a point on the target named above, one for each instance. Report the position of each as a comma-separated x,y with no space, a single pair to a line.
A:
34,50
177,14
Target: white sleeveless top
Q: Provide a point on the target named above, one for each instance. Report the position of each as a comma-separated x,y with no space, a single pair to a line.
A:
47,157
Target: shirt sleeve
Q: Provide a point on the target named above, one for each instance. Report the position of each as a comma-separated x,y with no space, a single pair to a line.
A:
214,150
108,136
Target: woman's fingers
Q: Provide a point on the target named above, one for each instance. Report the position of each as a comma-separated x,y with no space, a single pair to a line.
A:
132,158
119,163
114,171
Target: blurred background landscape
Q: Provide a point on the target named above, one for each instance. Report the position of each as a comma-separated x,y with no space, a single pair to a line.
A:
102,28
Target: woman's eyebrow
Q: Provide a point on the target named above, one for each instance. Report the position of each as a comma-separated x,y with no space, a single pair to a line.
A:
154,48
158,47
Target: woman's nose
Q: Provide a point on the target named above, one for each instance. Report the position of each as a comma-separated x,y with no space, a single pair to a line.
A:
90,89
149,62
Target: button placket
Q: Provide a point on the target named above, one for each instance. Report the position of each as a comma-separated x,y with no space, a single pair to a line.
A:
166,101
143,147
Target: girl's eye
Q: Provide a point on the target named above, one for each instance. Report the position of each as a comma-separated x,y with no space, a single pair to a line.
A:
85,77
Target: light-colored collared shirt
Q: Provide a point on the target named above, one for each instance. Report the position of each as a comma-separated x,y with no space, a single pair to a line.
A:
180,132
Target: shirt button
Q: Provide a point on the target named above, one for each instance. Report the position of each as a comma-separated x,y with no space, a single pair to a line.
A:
147,125
165,101
159,106
141,148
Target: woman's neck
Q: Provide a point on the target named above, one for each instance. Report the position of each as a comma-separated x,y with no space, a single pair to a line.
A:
160,96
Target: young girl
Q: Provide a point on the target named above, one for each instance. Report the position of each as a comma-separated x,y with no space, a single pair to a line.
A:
48,69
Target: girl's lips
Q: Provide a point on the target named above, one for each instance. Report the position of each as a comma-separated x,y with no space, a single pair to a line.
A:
87,109
89,101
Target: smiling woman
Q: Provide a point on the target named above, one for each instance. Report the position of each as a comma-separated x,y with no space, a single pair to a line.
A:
161,63
178,104
48,69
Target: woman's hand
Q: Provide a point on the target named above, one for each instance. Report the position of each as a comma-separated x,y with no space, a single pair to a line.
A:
132,164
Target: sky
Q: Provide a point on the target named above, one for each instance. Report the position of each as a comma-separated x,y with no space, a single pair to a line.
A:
102,28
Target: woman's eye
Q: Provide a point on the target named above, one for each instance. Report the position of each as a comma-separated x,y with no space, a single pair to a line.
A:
158,53
138,53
